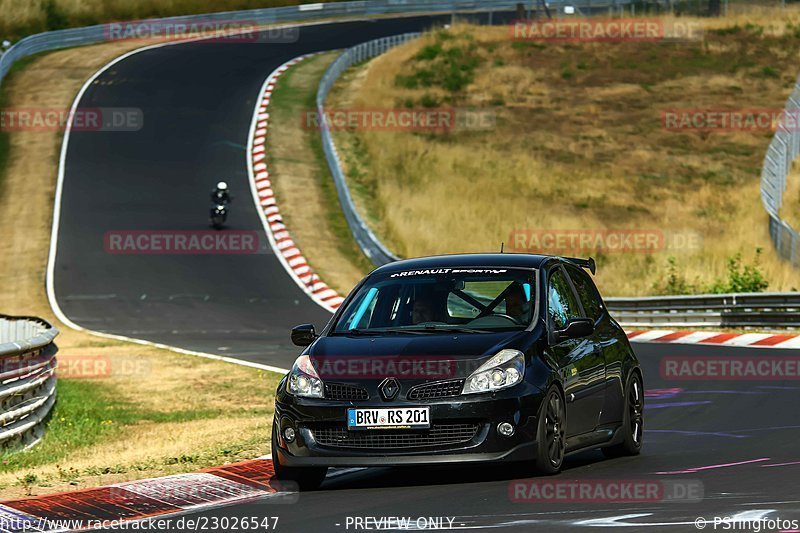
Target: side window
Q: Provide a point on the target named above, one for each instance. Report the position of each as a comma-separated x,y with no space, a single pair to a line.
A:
561,302
587,292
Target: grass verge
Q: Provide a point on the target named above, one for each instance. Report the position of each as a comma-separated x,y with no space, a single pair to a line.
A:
155,412
302,181
102,431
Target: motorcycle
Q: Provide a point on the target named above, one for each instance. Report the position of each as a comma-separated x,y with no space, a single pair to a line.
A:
218,215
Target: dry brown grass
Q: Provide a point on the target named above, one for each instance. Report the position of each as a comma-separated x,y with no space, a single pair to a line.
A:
302,183
579,145
790,210
20,17
51,81
235,401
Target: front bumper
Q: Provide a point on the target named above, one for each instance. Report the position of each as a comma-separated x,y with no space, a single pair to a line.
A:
311,418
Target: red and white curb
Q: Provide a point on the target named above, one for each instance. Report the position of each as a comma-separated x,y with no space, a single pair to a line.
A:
148,498
752,340
282,244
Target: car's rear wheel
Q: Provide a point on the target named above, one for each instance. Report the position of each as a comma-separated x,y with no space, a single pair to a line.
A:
551,433
306,478
632,420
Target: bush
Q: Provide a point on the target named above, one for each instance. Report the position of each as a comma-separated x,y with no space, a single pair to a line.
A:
420,78
451,68
675,283
429,52
770,72
741,278
428,100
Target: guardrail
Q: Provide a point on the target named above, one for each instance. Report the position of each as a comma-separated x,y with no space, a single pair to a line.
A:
782,151
750,310
53,40
369,243
27,379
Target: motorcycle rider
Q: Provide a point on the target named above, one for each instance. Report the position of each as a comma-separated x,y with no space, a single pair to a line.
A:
220,195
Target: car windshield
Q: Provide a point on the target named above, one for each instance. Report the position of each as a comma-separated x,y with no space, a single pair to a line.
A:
471,300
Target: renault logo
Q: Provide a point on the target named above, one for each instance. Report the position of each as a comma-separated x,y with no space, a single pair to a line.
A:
389,389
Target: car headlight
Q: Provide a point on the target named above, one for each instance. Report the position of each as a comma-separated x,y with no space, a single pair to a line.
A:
304,380
500,372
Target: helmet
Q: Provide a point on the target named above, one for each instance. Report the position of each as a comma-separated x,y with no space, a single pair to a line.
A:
222,186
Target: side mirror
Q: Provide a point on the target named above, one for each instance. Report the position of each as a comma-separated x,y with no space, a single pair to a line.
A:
303,335
576,328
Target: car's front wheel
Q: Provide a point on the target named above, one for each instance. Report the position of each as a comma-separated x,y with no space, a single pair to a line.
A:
632,420
306,478
551,433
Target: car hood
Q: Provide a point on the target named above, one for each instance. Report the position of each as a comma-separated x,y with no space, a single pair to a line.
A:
427,356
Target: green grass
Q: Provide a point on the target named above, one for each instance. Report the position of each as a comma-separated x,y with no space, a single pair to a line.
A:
88,412
290,102
449,63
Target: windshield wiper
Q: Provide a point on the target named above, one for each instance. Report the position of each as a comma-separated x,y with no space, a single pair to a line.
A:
448,329
375,332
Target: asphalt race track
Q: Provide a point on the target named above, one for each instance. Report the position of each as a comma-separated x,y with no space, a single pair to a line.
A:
703,425
197,102
738,439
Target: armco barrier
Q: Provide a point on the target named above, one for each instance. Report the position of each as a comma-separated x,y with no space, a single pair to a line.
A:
756,310
366,239
783,150
27,379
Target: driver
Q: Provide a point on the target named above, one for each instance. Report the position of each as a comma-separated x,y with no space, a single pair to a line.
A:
516,302
423,309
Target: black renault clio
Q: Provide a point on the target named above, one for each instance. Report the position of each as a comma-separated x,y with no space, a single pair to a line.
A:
460,358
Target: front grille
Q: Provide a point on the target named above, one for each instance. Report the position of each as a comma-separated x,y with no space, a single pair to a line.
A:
437,435
338,391
431,391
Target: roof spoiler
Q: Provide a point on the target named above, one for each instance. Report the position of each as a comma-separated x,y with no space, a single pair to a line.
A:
584,263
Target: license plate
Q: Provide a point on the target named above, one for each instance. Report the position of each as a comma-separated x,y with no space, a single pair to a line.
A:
395,418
